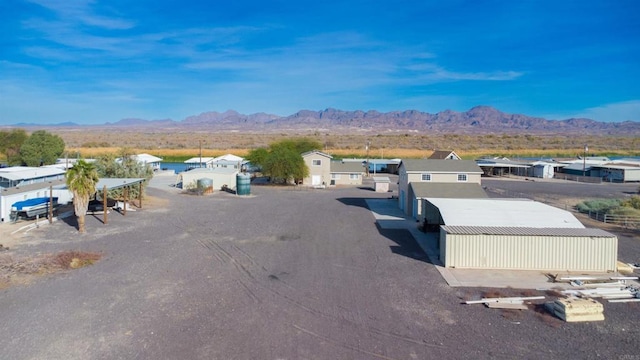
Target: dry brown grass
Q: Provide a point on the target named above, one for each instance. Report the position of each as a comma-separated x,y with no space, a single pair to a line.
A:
74,259
16,271
91,142
494,293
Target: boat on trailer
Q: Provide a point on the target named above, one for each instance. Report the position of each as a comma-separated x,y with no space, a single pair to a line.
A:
31,208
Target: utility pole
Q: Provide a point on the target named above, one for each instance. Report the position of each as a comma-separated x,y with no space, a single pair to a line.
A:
367,148
584,161
200,142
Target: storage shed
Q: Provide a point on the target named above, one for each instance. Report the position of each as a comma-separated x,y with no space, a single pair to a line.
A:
218,177
526,248
517,234
381,183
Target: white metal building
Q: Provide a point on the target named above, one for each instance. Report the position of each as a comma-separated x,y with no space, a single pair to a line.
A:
497,212
517,234
150,160
9,196
525,248
617,172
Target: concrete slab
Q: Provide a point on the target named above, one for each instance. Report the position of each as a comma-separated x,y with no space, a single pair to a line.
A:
389,216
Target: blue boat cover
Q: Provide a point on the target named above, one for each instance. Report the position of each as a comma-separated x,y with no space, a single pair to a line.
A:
32,202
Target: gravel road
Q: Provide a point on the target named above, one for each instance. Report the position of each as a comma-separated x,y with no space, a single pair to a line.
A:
282,274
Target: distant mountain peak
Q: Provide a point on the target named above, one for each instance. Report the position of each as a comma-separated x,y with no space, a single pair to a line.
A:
477,120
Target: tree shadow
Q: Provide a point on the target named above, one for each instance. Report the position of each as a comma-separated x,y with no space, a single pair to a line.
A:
71,220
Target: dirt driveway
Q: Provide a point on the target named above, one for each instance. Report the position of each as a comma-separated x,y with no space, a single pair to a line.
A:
281,274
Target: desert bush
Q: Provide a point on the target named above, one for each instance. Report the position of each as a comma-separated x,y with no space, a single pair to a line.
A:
625,211
75,259
598,205
632,202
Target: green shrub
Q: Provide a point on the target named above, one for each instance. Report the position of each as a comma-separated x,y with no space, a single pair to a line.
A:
598,205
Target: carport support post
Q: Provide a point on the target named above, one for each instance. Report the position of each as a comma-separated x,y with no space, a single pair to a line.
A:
124,202
104,205
140,194
50,204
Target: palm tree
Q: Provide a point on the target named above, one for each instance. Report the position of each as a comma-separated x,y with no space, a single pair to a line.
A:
81,180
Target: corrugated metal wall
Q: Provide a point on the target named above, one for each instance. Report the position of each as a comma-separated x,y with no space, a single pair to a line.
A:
598,254
632,175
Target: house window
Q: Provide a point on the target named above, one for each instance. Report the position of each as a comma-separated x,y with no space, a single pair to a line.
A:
335,176
427,177
317,162
353,176
462,177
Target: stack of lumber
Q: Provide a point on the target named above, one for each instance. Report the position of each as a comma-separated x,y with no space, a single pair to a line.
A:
513,303
575,309
608,293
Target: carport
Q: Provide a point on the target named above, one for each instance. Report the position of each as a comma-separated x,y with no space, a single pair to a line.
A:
106,184
504,167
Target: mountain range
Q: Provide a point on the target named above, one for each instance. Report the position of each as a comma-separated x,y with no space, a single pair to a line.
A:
478,120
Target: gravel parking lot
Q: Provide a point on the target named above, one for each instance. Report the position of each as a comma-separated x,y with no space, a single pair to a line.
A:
281,274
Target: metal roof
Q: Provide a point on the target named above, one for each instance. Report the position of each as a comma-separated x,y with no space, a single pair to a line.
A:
198,160
115,183
503,212
57,184
444,154
205,171
447,190
373,161
442,166
25,173
316,152
346,167
146,158
525,231
618,166
381,179
228,157
502,163
579,167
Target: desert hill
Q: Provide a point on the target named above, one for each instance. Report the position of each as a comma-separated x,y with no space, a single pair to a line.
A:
478,120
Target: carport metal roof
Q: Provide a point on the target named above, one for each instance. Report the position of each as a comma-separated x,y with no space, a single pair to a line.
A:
116,183
502,163
27,172
503,212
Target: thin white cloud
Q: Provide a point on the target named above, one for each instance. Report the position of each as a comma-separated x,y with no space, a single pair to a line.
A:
613,112
80,12
477,76
433,72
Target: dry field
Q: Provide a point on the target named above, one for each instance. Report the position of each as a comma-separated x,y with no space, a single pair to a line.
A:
89,143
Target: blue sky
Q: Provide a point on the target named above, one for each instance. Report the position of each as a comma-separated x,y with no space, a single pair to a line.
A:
93,62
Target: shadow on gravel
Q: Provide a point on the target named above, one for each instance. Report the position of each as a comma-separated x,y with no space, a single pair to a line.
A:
406,244
360,202
367,188
71,221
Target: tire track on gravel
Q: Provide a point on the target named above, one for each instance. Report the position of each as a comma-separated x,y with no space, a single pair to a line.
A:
288,293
